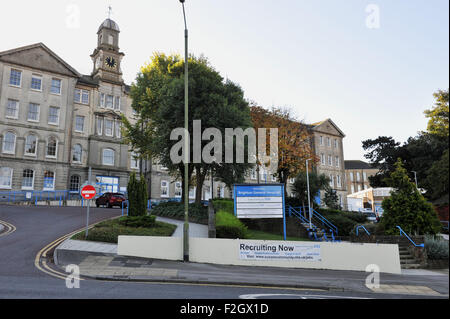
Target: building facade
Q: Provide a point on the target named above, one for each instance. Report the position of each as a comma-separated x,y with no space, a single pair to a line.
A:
358,173
55,123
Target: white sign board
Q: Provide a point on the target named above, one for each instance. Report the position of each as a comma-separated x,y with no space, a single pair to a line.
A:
301,251
259,201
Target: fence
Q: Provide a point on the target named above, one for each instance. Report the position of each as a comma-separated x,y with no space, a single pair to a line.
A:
32,196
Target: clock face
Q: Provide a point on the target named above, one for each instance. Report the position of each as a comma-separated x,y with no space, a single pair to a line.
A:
111,62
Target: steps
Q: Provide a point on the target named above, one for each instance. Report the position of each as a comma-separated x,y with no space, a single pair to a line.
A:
407,261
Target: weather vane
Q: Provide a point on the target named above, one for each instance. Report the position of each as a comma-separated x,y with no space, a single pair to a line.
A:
109,12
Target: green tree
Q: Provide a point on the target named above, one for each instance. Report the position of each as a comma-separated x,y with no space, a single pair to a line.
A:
132,190
316,184
331,199
439,114
438,177
406,207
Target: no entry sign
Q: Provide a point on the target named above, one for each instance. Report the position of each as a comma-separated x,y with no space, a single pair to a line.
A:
88,192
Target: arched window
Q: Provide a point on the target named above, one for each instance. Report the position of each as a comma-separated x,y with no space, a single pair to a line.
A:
77,153
30,145
28,179
49,180
9,143
75,183
108,157
52,147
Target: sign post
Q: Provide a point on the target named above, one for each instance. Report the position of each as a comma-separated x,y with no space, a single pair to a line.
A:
88,192
260,201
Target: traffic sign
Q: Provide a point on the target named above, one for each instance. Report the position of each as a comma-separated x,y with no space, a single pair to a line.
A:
88,192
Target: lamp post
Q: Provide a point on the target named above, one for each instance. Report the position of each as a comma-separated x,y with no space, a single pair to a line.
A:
186,146
309,199
415,179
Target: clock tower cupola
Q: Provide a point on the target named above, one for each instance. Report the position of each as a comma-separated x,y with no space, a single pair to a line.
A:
107,56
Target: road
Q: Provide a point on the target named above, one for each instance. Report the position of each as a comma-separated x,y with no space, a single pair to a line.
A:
36,227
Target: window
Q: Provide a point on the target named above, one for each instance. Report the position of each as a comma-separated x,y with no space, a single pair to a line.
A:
322,159
53,115
6,174
117,103
359,188
15,78
36,82
164,189
74,183
321,140
77,153
337,161
330,160
335,143
134,162
178,190
12,109
338,180
49,180
109,126
358,176
365,176
351,176
353,188
331,181
328,142
52,147
28,179
56,86
9,143
192,192
99,126
109,101
33,112
108,157
253,174
110,39
81,96
30,145
118,129
79,123
102,100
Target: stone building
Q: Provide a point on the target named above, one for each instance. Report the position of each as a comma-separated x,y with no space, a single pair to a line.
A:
55,123
358,173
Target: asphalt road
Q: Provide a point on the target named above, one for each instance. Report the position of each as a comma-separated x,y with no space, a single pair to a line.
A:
38,226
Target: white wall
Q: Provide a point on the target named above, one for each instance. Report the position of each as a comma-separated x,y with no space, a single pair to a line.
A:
335,256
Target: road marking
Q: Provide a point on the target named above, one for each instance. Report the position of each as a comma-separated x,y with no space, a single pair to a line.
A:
264,296
10,228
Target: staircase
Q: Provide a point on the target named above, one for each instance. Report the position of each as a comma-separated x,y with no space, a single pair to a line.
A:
407,261
324,233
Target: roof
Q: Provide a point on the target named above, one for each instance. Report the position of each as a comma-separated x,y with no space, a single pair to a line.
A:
317,126
88,80
110,24
352,164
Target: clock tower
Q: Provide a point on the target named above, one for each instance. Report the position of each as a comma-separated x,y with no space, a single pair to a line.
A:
107,56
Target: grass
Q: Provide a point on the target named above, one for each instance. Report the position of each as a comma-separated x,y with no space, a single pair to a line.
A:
260,235
110,230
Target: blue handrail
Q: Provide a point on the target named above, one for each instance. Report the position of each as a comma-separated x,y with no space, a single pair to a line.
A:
361,226
298,214
325,221
402,232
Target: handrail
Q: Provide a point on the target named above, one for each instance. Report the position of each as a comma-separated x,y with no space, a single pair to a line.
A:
293,211
361,226
402,232
324,221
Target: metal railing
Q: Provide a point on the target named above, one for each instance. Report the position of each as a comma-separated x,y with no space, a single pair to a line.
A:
406,235
361,226
33,196
325,222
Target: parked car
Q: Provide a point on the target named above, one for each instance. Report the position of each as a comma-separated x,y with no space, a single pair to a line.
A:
111,199
371,216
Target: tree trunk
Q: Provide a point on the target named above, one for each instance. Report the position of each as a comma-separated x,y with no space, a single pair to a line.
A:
199,179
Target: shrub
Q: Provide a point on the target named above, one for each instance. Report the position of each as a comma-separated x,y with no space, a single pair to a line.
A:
228,226
138,221
224,204
344,224
197,212
436,249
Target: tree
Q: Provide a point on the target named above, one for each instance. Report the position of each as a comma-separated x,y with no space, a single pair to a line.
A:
294,146
406,207
316,184
438,178
331,199
158,97
439,114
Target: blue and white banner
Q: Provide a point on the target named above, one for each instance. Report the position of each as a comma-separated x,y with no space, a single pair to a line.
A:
259,201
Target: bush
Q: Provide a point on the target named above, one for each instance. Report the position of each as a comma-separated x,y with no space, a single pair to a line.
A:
224,204
344,224
436,249
228,226
197,212
138,221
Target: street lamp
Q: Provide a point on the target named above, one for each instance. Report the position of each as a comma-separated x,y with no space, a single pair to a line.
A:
415,179
309,199
186,145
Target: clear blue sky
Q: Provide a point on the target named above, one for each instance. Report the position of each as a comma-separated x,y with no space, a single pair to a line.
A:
315,56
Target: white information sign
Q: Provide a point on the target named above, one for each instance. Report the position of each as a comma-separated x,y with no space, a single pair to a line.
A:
301,251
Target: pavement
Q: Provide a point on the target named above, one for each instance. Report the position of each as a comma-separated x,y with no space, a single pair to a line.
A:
100,261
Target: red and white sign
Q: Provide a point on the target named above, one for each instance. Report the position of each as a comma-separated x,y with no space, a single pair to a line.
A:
88,192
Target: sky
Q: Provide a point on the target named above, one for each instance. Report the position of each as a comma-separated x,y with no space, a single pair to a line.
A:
370,66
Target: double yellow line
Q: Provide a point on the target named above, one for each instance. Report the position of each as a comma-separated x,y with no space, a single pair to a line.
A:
10,228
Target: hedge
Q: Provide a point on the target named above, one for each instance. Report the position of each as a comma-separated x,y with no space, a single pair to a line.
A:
228,226
197,212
